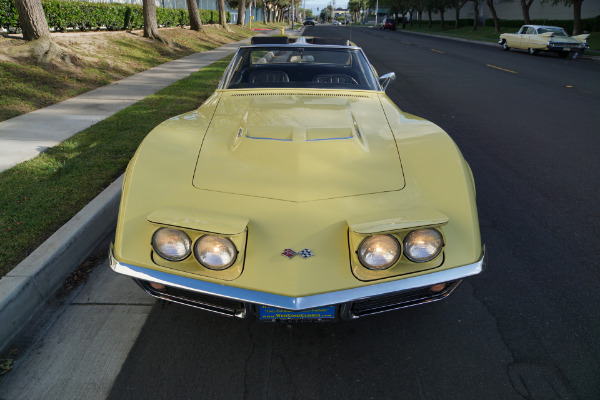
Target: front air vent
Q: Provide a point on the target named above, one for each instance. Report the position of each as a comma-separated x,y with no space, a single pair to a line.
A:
302,94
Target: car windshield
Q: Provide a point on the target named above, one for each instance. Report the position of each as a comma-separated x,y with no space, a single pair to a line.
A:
308,66
556,31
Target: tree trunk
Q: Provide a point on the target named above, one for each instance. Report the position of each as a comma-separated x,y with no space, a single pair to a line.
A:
525,7
241,13
457,8
32,19
430,19
475,14
490,4
223,15
441,10
150,24
577,17
195,22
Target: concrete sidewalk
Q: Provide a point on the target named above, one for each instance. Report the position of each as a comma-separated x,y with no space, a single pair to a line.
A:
26,136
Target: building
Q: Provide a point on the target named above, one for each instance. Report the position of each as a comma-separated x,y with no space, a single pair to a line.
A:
511,10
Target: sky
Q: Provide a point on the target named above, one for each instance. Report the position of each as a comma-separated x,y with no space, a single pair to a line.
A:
313,4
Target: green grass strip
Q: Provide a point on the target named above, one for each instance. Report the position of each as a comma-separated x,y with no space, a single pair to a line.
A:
38,196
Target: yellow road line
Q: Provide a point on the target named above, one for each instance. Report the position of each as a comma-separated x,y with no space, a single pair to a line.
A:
502,69
437,51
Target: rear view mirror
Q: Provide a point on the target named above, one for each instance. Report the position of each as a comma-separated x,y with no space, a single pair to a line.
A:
386,79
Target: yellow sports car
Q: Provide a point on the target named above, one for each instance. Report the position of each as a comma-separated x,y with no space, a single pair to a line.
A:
298,191
536,38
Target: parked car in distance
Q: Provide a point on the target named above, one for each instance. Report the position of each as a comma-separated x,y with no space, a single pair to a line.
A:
388,23
536,38
298,191
309,21
336,22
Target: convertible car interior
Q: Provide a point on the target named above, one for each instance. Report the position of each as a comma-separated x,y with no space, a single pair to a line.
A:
275,66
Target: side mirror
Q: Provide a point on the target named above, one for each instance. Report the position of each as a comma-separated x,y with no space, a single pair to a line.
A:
386,79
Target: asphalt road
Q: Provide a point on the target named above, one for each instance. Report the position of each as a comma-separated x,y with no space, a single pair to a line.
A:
528,327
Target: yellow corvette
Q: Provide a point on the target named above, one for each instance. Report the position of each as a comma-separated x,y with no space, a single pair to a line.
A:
298,191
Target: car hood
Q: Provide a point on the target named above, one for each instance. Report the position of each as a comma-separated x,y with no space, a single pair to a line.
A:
299,146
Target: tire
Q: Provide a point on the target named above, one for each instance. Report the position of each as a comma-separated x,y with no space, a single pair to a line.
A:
505,46
533,52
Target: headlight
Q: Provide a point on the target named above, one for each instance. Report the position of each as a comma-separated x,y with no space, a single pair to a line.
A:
215,252
423,245
171,244
379,252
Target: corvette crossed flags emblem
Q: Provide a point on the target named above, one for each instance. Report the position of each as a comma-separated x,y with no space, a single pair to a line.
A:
289,253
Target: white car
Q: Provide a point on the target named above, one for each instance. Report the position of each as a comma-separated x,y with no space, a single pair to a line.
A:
536,38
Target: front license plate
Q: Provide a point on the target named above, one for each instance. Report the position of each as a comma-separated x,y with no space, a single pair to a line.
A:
566,49
273,313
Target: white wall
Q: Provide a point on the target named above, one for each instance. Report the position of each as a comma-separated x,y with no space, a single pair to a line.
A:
506,9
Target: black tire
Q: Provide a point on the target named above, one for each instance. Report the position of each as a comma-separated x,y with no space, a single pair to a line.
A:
533,52
505,46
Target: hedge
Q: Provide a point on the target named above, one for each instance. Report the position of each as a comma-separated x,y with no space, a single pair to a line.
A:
83,15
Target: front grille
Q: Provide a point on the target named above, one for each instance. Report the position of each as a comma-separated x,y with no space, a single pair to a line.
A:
393,301
202,301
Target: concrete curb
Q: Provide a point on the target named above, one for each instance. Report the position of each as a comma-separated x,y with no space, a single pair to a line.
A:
25,289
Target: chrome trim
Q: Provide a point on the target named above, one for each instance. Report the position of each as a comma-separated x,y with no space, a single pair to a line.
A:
296,303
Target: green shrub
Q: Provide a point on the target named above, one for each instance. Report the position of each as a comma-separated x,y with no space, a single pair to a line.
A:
83,15
9,18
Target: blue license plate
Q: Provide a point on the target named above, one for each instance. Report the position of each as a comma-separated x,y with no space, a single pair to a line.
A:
273,313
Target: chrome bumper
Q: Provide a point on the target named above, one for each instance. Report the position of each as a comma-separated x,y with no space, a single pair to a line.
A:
245,298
